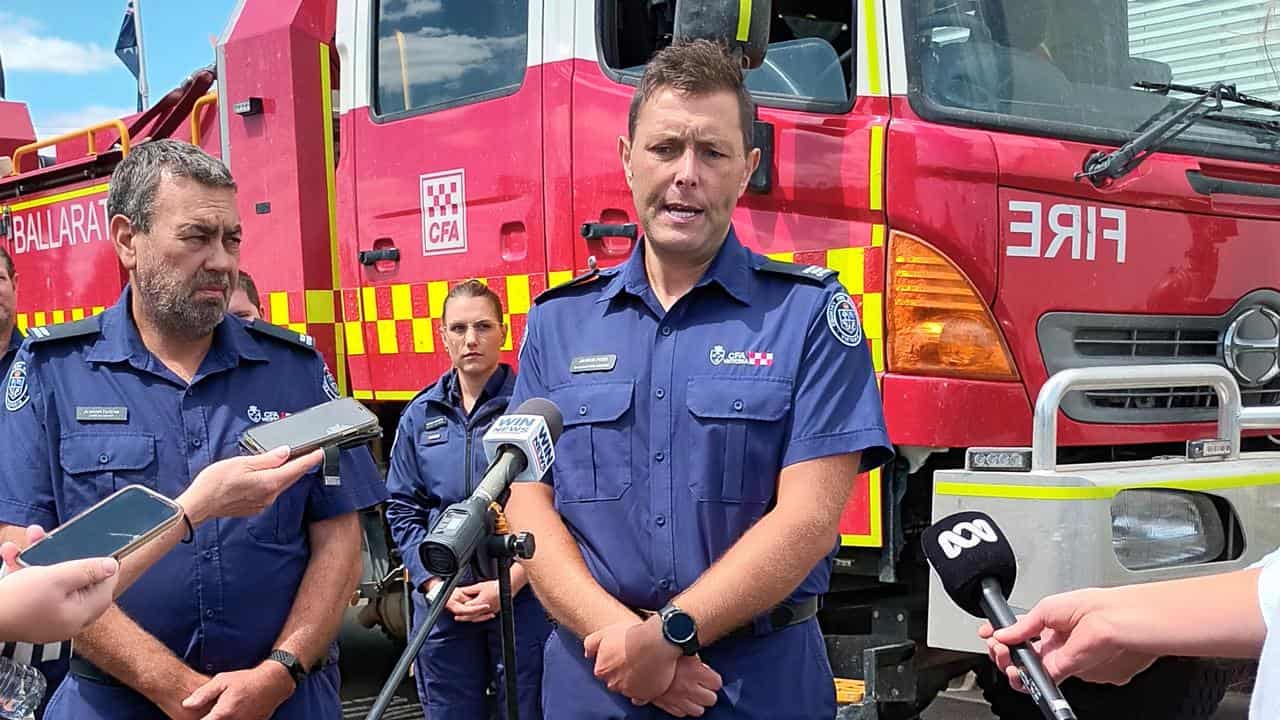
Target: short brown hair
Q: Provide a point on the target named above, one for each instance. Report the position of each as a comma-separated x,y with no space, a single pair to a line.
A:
695,67
250,289
475,289
8,260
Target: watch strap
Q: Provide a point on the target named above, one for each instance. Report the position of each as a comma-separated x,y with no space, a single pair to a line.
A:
290,663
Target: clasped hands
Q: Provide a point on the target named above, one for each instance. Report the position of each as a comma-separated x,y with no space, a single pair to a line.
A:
634,659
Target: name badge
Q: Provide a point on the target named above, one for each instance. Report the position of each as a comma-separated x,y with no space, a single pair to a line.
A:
435,437
434,423
102,414
593,363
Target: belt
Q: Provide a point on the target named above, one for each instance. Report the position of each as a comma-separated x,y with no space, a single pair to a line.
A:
781,616
87,670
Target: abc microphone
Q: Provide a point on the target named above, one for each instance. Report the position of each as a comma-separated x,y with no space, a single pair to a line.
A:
977,568
520,447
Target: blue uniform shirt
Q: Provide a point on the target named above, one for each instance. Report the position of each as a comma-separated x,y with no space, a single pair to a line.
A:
220,602
15,342
677,423
438,458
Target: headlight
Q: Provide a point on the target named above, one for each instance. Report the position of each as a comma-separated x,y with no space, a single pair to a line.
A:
1165,528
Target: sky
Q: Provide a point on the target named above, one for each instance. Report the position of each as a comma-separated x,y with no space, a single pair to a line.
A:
59,55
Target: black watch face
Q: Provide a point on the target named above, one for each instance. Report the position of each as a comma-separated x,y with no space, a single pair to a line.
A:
680,627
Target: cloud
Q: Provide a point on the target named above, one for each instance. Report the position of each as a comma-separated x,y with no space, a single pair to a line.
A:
58,123
435,56
26,46
396,10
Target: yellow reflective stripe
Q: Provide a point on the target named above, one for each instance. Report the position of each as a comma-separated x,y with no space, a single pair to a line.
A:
58,317
331,203
875,177
877,236
319,306
363,394
278,304
1042,492
872,45
437,290
387,344
22,323
781,256
847,262
77,314
394,394
873,537
401,303
368,304
423,340
98,309
506,340
68,195
40,320
744,20
518,294
872,315
354,338
558,277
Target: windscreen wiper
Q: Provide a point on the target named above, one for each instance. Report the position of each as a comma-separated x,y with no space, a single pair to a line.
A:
1229,93
1103,167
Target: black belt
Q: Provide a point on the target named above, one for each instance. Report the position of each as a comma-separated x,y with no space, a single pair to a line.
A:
781,616
87,670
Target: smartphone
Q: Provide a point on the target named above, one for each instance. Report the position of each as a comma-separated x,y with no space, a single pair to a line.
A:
343,423
114,527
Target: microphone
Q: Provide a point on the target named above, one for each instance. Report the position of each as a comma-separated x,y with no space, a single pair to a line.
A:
976,566
520,447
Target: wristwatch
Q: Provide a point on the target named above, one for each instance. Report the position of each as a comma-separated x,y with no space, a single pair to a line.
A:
679,629
290,663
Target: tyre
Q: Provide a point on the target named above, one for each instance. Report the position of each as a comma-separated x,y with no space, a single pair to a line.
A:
1171,689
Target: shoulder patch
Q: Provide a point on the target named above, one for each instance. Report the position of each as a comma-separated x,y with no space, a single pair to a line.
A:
16,393
91,325
282,333
811,273
842,319
591,276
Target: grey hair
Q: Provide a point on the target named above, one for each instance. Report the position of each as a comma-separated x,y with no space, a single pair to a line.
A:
137,178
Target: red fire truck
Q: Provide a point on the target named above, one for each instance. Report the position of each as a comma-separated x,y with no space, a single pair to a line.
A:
1007,189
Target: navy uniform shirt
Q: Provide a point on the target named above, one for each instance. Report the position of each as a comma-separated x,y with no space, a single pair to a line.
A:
438,458
677,423
15,342
89,410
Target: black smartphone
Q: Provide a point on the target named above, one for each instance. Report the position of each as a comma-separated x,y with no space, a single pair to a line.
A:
114,527
338,423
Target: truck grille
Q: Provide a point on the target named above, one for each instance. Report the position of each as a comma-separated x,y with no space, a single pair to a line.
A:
1070,340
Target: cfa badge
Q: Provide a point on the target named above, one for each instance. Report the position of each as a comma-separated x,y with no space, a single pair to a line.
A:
842,318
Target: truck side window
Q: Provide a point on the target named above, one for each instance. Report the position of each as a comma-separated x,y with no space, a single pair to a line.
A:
434,54
810,58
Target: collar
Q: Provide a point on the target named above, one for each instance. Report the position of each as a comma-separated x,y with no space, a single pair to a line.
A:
15,340
119,340
448,392
730,269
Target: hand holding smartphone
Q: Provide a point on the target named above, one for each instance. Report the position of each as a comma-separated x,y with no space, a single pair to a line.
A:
114,527
339,423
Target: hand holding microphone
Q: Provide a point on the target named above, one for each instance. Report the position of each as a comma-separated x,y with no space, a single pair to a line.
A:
977,568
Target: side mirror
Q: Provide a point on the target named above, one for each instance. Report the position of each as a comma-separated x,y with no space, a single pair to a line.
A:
725,22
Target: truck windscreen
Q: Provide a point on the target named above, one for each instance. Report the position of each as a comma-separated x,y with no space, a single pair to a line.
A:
1086,69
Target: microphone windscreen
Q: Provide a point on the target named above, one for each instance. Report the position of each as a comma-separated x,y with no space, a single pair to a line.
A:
964,548
547,410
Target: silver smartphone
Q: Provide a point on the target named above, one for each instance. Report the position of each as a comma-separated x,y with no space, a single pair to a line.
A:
114,527
338,423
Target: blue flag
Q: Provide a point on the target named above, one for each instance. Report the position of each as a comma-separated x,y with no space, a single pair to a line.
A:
127,45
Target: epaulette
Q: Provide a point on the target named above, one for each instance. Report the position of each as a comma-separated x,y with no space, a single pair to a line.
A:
812,273
595,274
282,333
91,325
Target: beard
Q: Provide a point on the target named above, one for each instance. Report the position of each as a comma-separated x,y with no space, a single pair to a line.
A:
172,305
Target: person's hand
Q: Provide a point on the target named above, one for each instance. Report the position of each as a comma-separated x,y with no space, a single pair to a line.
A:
1077,634
252,694
170,700
632,658
245,485
475,603
692,691
55,602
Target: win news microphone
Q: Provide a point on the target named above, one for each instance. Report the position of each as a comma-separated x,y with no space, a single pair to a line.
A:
520,448
977,568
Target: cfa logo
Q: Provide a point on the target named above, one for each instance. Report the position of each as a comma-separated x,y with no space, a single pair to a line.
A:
965,535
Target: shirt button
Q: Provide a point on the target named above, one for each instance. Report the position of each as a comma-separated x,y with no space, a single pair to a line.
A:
659,457
660,393
665,584
666,329
209,667
195,442
104,458
208,554
737,405
208,613
660,520
582,410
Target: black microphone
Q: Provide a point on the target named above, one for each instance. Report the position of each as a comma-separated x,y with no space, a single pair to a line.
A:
520,447
977,568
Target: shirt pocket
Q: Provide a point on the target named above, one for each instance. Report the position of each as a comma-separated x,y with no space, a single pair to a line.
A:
94,465
593,455
736,440
280,523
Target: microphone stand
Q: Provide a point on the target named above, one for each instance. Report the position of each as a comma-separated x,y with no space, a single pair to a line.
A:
492,557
